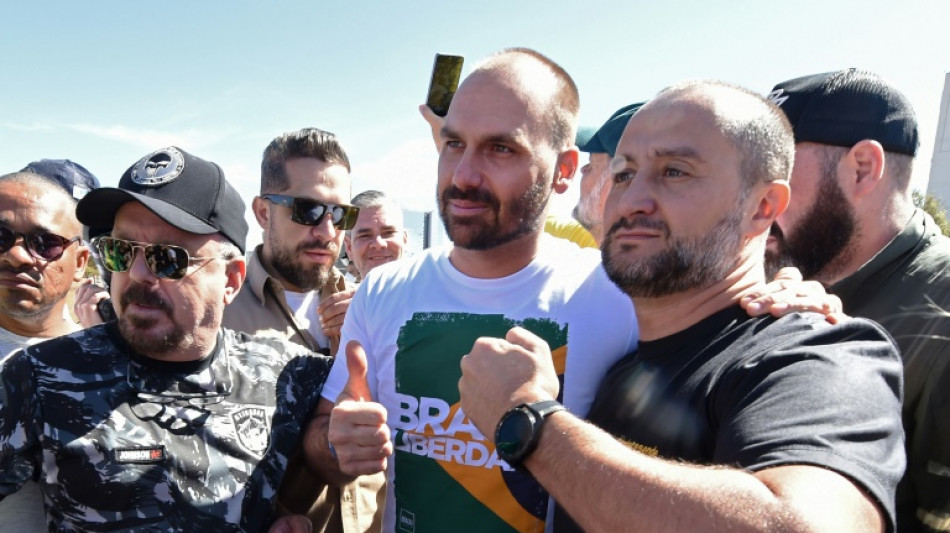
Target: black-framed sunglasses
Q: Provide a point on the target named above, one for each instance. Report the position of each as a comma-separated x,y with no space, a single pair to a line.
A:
166,261
311,212
42,245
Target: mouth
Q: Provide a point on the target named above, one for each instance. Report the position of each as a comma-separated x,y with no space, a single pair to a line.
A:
18,280
466,207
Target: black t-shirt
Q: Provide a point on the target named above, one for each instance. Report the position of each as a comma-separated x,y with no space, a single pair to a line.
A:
761,392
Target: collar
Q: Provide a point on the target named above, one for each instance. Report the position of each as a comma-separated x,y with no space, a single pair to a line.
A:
163,381
916,235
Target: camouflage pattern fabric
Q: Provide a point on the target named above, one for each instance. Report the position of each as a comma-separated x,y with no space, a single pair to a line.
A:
125,443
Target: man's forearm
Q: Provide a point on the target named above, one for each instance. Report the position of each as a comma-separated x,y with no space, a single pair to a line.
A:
606,486
319,457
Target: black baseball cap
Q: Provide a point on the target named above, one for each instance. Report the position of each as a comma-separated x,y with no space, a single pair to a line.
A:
605,139
186,191
72,177
846,107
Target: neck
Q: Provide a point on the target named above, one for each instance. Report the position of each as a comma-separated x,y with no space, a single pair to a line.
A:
497,262
51,324
663,316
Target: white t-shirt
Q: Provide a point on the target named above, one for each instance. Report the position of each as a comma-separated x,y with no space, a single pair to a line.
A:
417,318
304,305
22,511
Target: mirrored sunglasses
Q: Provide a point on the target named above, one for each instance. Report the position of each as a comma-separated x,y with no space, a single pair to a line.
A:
43,245
166,261
311,212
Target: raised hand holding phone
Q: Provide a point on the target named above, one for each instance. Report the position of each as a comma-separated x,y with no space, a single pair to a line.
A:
446,72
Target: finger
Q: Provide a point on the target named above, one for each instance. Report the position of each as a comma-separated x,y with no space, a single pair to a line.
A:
788,273
527,340
357,386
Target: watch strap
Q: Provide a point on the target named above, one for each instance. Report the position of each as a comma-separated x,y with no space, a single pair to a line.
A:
545,408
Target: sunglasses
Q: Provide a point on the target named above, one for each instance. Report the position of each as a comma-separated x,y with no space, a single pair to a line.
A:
311,212
166,261
45,246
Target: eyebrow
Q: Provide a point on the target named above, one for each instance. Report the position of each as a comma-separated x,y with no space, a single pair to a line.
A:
679,152
504,138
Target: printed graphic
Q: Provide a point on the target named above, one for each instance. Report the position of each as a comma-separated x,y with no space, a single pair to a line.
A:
448,476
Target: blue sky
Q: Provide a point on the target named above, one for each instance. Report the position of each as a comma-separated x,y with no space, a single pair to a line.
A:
103,83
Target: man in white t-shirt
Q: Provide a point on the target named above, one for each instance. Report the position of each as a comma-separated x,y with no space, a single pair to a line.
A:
293,291
41,256
508,146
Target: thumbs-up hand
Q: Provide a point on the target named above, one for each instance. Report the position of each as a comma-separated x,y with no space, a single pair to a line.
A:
358,430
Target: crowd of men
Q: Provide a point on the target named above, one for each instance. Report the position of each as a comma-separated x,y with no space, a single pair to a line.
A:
512,380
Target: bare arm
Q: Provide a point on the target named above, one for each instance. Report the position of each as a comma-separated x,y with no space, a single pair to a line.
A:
606,486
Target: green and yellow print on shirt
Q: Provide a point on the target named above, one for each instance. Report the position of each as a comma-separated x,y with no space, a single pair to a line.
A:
448,476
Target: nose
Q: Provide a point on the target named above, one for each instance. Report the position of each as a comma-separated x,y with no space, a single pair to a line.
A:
139,270
467,173
18,254
636,197
325,230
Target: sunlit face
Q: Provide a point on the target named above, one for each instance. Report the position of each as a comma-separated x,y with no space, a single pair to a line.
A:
595,185
378,237
164,318
30,288
300,256
496,165
816,232
674,213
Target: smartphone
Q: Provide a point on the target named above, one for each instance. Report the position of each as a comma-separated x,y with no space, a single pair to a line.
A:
105,310
445,81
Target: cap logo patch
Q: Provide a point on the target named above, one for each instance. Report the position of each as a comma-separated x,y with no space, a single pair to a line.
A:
777,97
158,168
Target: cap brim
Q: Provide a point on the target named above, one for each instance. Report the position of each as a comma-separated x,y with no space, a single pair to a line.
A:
99,207
584,137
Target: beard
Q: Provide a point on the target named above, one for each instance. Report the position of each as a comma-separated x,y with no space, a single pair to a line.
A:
588,211
505,223
138,331
821,244
685,264
284,260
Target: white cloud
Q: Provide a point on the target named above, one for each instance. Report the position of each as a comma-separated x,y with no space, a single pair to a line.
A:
149,139
407,174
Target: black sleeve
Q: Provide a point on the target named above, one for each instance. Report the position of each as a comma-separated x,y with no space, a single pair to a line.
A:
806,399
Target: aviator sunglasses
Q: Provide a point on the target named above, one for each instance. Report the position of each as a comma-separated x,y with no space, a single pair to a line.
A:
166,261
311,212
45,246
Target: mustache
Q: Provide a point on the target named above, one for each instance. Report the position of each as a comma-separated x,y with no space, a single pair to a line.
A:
317,244
33,273
470,195
137,294
638,221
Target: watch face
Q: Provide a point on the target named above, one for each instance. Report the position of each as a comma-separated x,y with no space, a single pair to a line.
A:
514,434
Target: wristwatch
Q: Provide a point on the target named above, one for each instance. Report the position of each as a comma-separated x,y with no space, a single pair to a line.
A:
519,429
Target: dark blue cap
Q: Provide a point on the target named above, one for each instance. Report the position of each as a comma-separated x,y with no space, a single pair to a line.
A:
605,139
71,176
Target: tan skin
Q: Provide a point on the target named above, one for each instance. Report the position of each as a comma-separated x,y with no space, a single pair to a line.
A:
377,238
28,284
671,160
311,178
196,302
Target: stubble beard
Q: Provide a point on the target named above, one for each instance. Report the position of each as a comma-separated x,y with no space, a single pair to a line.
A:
505,223
685,264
